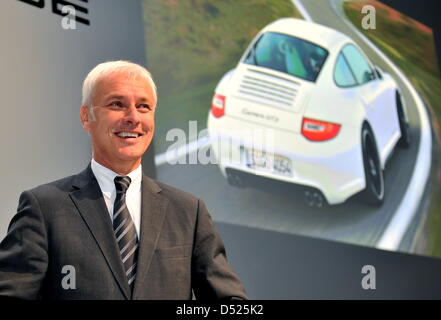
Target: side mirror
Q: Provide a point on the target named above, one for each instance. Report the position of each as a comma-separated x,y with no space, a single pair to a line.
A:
369,76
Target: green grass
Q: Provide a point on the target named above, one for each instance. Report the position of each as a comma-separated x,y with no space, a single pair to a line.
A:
191,44
411,47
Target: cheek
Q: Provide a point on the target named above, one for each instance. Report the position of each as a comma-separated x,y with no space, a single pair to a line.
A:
101,134
104,125
149,124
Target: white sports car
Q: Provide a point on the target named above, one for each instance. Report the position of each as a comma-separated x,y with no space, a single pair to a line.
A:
305,105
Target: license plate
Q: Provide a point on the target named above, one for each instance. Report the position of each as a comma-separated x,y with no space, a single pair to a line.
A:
267,162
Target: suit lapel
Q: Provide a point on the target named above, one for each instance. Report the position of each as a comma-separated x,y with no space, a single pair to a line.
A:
153,208
90,203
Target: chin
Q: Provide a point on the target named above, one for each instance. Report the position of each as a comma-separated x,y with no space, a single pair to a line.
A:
130,155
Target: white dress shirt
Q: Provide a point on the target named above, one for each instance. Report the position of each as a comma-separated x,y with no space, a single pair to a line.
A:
105,178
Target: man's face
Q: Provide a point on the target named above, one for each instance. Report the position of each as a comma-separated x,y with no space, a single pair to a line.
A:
122,121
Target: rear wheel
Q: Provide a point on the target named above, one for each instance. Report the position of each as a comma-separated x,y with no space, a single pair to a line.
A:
404,141
373,194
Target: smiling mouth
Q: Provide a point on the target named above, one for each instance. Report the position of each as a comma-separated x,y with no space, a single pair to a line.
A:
128,135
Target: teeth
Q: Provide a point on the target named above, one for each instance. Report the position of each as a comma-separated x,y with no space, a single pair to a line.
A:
127,134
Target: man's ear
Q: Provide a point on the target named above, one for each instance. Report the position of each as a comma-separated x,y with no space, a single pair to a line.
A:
85,117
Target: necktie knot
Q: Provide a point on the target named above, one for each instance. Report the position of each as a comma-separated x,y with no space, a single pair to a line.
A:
122,183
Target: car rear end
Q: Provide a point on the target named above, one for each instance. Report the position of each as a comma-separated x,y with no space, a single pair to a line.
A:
259,125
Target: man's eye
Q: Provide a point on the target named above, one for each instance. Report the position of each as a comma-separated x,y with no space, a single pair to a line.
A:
115,104
145,107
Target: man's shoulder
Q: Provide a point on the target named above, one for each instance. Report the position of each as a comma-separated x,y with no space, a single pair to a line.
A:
55,187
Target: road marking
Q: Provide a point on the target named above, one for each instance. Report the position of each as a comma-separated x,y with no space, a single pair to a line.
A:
298,4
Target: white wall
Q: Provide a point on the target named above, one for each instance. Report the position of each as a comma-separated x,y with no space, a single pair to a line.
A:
42,67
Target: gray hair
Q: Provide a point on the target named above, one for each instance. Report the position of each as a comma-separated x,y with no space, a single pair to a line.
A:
110,67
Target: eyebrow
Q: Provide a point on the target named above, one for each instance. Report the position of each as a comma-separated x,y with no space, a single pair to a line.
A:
120,97
145,100
112,97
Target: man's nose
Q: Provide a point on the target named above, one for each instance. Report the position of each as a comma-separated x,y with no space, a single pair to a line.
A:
132,115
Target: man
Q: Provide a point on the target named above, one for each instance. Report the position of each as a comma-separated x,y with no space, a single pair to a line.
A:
111,232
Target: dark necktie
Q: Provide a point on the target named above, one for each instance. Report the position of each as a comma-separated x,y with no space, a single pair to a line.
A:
124,229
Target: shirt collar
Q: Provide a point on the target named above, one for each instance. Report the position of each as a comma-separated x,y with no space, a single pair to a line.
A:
105,178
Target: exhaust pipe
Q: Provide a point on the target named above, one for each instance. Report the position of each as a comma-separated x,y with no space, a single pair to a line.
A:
235,180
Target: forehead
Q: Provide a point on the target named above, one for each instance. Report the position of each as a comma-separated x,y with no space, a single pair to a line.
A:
124,85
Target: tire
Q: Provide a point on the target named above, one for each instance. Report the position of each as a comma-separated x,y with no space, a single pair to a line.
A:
373,194
405,139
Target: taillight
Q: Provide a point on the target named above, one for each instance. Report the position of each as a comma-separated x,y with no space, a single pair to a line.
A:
319,130
218,105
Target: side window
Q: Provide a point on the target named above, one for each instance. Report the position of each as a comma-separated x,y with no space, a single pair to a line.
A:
342,73
362,71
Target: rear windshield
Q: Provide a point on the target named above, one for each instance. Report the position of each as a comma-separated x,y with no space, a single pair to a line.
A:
291,55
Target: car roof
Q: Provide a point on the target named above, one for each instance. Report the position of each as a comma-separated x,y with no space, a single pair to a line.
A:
313,32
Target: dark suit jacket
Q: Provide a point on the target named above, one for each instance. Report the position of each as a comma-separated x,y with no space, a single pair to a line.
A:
66,222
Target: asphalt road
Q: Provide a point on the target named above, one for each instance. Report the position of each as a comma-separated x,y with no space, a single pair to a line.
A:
281,207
